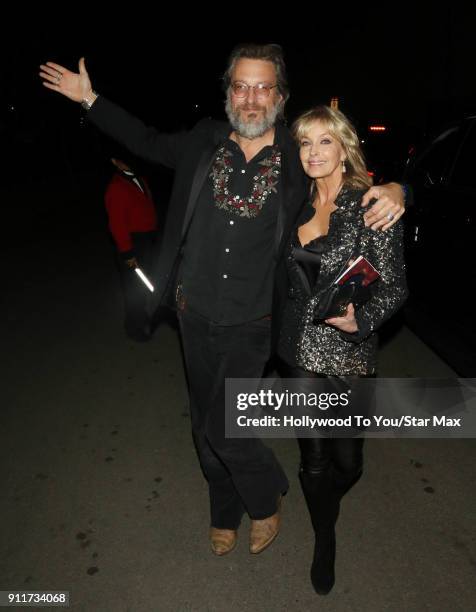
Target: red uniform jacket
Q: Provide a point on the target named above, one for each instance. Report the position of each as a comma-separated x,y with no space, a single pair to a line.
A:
129,209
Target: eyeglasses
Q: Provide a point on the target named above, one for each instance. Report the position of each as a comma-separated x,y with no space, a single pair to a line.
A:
262,90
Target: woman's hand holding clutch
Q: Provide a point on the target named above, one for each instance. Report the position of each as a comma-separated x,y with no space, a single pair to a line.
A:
347,323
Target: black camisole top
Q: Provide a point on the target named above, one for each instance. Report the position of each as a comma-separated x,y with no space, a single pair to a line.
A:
308,257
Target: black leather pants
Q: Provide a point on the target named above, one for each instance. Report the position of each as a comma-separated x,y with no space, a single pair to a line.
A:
341,456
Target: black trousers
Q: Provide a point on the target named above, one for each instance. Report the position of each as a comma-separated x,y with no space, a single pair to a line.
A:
243,474
341,458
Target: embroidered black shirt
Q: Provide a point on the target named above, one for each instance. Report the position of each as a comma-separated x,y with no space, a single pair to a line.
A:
228,263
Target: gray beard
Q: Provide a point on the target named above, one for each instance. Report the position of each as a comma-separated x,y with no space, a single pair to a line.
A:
253,129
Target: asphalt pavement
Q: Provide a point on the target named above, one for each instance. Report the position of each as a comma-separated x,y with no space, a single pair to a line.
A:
102,494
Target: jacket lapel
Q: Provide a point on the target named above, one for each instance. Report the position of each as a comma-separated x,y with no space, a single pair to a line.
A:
201,173
343,242
292,192
284,194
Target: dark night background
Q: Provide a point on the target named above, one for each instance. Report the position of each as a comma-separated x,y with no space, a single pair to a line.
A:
410,71
407,67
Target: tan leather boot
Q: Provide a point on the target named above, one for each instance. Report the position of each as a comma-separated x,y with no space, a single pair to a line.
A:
264,531
222,541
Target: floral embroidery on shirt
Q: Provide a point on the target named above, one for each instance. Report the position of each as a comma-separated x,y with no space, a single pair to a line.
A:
264,183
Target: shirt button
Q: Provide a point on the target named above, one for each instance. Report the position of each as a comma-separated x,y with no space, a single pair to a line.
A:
225,276
227,250
232,222
243,171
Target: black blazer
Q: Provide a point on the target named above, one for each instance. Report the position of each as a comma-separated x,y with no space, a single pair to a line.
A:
191,154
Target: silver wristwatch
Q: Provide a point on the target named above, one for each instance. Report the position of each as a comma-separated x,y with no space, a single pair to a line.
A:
87,102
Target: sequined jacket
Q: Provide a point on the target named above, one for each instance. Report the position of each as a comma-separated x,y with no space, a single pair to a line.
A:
321,347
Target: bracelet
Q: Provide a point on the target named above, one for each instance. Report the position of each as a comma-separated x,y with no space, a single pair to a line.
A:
87,102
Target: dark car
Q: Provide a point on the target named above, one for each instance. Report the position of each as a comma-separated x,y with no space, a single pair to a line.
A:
385,146
440,237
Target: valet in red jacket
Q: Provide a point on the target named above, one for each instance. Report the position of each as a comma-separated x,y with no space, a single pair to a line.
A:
133,225
130,208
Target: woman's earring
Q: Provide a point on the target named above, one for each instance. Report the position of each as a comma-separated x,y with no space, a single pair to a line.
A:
344,169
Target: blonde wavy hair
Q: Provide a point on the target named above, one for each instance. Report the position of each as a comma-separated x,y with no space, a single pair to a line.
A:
341,128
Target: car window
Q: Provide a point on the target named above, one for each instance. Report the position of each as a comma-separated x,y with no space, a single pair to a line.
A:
432,166
463,173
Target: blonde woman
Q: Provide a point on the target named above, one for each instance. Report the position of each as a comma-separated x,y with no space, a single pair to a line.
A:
330,232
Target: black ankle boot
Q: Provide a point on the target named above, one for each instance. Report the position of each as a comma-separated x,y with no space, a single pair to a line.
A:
323,507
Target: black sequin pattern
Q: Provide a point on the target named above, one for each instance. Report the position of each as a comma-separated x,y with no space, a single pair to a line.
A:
321,347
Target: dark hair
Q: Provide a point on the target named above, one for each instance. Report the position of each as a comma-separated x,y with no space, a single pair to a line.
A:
268,53
117,151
